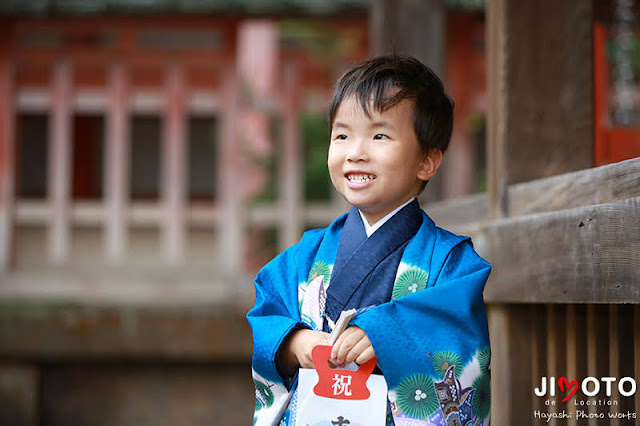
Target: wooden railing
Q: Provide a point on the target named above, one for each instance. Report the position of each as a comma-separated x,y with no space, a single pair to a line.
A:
564,295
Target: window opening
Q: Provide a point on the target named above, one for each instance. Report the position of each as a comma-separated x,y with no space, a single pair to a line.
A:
33,155
145,157
88,154
202,158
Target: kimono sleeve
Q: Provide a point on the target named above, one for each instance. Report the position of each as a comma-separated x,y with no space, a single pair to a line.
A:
419,337
275,312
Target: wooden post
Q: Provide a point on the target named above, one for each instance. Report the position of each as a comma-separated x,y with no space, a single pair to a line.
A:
117,165
540,92
19,394
511,384
291,174
572,350
231,225
173,170
538,369
501,392
636,339
7,161
520,330
614,354
592,353
552,353
59,183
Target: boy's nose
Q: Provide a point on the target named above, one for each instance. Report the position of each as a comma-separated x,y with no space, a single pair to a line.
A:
358,151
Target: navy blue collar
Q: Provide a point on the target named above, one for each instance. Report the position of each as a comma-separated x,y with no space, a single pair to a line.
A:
358,256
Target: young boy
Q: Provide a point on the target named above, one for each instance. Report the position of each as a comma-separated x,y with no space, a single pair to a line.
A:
417,288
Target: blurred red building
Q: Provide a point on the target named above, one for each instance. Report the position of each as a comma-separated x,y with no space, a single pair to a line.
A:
152,159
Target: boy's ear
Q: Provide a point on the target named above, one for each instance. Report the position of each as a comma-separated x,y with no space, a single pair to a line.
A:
430,164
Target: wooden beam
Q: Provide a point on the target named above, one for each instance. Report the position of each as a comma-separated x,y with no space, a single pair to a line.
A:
202,103
174,164
464,210
7,162
117,166
202,331
32,100
59,182
584,255
587,187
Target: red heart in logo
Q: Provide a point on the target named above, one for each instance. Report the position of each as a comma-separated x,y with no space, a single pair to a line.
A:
571,386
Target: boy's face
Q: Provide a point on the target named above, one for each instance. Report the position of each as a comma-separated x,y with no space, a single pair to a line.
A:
376,163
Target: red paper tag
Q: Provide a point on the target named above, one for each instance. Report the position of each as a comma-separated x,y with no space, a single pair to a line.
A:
338,383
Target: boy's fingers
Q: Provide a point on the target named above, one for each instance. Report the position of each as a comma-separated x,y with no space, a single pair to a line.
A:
324,336
304,363
357,350
319,338
342,347
349,338
303,342
334,365
366,355
336,346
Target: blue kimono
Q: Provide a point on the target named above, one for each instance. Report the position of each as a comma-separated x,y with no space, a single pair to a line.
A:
418,291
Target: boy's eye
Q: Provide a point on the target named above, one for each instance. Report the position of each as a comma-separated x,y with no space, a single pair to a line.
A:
380,136
341,137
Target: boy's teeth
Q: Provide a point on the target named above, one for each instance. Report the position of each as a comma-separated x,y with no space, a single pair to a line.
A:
360,178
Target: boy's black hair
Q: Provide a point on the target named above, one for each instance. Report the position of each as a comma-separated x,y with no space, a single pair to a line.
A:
383,81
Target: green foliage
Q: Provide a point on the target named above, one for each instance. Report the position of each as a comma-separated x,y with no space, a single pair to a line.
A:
315,140
315,135
270,192
271,163
631,52
324,44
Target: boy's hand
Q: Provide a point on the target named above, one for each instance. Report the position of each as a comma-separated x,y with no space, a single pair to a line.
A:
297,350
352,345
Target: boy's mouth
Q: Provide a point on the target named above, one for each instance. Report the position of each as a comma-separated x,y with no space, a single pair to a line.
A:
360,177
